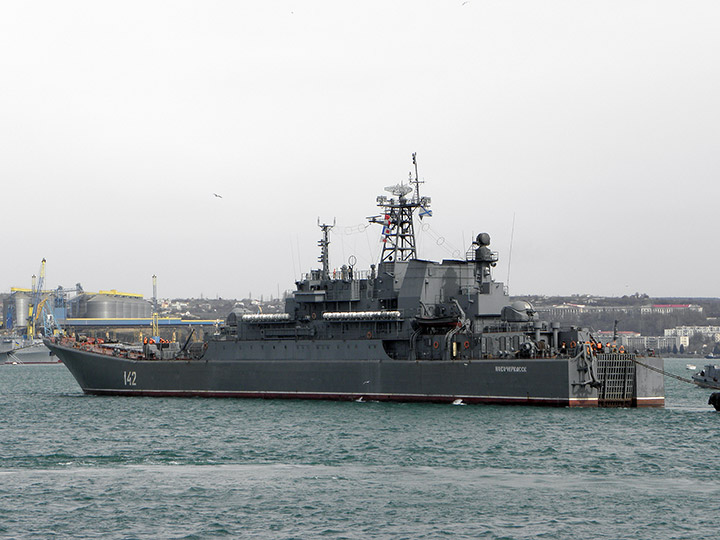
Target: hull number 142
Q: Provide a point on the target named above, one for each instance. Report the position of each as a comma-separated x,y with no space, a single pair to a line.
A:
129,378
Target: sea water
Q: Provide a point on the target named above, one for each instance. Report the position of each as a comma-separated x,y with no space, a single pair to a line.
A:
77,466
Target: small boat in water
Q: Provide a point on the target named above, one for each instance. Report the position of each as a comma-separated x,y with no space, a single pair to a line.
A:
708,377
691,367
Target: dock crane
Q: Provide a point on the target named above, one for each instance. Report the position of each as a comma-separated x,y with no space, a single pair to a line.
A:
155,316
34,310
40,313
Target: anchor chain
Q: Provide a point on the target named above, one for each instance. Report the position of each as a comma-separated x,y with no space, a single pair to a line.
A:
666,374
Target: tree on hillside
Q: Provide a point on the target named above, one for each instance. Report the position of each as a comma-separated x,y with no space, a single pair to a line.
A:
701,344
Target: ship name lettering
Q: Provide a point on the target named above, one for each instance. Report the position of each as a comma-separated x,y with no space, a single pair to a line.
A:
129,378
511,369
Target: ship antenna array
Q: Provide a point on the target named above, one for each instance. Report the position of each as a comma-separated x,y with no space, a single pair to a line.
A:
324,248
417,181
398,235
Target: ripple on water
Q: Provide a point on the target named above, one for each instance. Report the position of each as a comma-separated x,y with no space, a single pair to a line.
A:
83,467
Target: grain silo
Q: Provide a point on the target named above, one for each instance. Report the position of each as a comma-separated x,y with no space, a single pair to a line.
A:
17,304
111,305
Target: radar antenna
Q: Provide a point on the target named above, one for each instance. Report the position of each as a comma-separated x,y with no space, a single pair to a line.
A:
417,181
398,233
324,251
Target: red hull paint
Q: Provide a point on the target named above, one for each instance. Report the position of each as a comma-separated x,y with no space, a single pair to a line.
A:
351,397
587,403
649,402
583,402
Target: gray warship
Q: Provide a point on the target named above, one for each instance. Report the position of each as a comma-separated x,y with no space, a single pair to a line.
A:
406,329
19,350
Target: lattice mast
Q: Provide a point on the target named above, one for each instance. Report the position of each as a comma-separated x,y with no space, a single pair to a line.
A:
397,218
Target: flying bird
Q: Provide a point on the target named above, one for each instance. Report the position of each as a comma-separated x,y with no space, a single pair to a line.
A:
218,196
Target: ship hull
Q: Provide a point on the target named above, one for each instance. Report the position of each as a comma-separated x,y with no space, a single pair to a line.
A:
551,382
29,354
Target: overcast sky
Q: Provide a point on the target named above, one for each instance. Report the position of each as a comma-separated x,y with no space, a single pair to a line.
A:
596,124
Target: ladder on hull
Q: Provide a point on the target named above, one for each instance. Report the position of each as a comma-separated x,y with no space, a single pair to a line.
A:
617,373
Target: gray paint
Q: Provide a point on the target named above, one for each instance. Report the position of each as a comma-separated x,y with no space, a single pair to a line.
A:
415,330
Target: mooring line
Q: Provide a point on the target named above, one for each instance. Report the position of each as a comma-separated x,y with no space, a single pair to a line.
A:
678,377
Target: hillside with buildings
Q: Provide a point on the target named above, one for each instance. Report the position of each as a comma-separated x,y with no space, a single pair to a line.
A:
217,308
675,325
668,325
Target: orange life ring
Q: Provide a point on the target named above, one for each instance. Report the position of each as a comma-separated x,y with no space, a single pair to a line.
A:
466,344
368,335
314,315
573,344
436,345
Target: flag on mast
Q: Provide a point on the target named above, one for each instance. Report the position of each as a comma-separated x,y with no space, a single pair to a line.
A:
425,212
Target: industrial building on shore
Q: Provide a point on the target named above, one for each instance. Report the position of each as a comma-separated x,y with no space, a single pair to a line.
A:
107,313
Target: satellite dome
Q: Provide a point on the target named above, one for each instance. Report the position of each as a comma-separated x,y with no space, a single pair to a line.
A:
483,239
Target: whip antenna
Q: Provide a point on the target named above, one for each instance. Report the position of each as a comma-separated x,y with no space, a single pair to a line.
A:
512,235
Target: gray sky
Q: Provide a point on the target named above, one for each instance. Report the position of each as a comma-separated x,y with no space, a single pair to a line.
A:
595,123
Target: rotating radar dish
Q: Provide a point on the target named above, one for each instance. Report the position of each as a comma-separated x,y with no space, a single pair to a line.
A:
399,190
